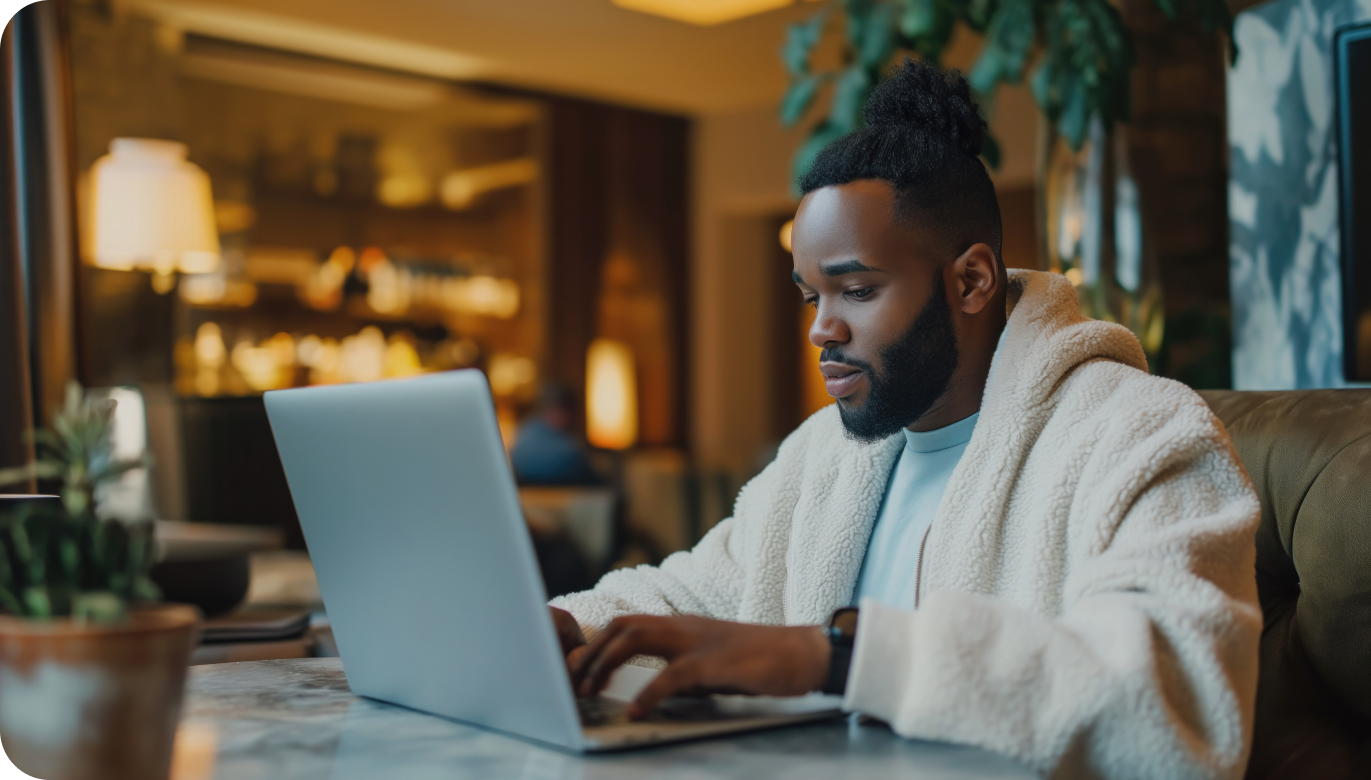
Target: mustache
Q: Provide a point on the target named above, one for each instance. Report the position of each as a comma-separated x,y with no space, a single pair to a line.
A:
836,355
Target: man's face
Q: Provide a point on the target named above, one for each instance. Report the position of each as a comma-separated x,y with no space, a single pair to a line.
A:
882,316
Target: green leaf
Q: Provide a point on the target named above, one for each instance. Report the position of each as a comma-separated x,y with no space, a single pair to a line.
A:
800,39
849,98
798,99
1074,114
1012,31
978,13
878,37
856,13
70,555
918,18
988,69
114,469
36,602
932,43
144,589
1041,86
98,607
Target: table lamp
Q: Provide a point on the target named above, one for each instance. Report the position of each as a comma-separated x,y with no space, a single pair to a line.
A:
151,209
611,395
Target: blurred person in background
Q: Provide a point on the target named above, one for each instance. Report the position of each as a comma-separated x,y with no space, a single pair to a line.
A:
546,449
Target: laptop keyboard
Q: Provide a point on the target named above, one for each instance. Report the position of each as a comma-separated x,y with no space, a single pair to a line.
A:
598,711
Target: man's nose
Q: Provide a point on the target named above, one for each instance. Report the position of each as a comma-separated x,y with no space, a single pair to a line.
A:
828,329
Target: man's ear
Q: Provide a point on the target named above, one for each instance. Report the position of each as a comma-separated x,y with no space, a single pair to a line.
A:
977,273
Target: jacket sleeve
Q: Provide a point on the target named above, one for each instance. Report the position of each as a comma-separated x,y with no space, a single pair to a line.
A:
1149,670
707,580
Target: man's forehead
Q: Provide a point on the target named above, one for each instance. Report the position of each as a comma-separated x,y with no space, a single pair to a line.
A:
855,220
861,200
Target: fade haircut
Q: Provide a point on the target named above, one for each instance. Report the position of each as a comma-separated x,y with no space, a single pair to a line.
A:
923,136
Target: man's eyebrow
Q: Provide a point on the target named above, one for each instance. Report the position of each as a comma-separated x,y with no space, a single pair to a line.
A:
846,267
795,277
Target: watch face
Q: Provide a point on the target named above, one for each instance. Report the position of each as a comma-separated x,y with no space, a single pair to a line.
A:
845,621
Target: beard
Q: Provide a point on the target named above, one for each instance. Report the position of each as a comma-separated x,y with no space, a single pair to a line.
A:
917,369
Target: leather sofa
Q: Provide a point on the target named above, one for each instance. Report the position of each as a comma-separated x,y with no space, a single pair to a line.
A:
1309,454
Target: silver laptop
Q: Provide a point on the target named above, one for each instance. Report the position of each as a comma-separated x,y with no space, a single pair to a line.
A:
428,573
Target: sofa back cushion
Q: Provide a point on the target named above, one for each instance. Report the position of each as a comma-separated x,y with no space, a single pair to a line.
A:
1309,454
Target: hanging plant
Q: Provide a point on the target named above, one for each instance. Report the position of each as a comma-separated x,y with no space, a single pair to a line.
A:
1077,55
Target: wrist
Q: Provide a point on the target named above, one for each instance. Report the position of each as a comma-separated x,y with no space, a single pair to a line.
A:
816,653
841,633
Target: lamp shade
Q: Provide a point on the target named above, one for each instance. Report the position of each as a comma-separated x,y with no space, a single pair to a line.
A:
151,209
611,395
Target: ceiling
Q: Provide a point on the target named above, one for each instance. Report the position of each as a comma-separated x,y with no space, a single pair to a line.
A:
586,47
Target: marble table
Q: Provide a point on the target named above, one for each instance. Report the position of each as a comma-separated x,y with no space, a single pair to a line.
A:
296,719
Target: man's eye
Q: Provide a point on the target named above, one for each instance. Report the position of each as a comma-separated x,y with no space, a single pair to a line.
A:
810,302
862,293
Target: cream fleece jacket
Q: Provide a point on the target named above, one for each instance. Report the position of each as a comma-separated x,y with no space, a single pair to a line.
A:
1087,600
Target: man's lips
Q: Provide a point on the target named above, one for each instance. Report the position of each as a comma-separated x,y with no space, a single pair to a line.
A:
840,379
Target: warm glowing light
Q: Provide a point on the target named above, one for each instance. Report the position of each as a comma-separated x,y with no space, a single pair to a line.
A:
482,295
324,288
611,395
389,288
215,290
151,209
402,359
511,374
703,12
404,190
255,365
786,230
209,346
1075,276
461,188
363,356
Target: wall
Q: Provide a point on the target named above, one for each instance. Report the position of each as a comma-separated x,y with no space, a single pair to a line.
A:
1283,196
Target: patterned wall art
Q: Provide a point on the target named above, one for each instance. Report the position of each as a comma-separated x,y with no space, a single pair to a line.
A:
1283,195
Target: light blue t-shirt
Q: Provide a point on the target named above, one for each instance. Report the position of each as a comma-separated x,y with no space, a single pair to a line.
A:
911,500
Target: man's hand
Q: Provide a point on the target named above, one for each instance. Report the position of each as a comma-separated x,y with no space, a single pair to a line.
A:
569,634
705,656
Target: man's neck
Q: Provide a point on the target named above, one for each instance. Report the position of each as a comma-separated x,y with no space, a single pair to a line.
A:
964,392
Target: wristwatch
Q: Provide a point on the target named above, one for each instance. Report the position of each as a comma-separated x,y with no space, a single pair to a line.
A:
842,635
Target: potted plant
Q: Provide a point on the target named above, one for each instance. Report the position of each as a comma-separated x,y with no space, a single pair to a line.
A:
91,668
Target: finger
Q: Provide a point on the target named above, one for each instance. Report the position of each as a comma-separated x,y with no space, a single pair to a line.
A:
568,630
627,644
604,637
675,678
572,659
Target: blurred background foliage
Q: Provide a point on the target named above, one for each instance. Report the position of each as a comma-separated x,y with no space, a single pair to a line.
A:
1077,55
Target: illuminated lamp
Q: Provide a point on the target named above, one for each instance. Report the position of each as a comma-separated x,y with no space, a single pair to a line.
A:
151,209
611,395
703,12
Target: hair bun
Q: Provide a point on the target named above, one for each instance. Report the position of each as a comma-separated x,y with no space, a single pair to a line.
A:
918,95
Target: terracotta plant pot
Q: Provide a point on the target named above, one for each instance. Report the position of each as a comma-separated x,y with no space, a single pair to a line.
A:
82,701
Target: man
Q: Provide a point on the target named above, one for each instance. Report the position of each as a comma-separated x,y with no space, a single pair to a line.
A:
1052,550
